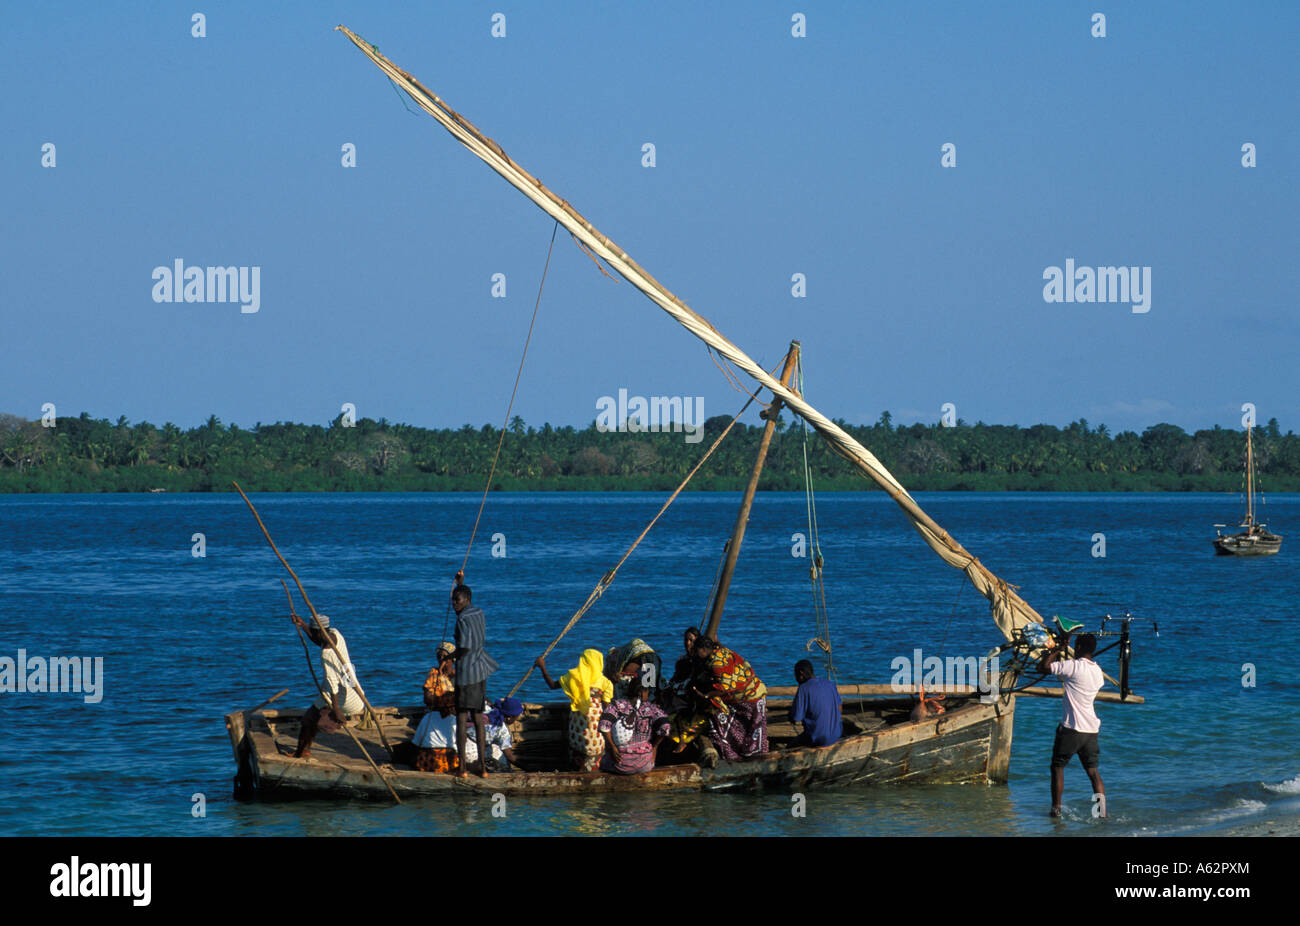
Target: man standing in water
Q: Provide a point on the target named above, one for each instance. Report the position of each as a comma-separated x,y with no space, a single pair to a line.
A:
1081,679
473,666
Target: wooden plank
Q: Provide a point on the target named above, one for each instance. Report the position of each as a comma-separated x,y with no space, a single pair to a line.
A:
1108,696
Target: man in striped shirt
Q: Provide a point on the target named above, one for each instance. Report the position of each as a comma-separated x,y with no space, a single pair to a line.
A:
473,666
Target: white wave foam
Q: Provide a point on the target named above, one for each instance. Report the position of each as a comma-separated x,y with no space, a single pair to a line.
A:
1284,787
1242,807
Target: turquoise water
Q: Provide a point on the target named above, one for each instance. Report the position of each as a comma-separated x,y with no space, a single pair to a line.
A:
186,639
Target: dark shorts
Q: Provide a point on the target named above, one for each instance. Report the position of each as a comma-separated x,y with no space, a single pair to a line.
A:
1070,743
471,697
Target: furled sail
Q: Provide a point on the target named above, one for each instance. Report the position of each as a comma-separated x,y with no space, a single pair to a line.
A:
1009,610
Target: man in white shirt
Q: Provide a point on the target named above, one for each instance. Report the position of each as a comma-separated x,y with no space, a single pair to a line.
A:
1081,679
342,694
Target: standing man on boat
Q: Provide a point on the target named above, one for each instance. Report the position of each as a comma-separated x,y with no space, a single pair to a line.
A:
473,666
817,706
1081,679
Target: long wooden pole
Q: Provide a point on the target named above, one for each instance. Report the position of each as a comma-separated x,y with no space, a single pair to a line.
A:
742,517
316,618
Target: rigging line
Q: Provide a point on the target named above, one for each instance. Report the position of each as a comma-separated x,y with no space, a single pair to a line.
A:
708,604
608,578
582,245
500,440
402,98
730,375
943,642
821,611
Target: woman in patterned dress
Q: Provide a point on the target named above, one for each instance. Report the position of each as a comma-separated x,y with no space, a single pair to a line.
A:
588,690
633,727
735,703
440,684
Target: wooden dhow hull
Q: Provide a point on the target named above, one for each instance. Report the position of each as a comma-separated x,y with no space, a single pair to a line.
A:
970,743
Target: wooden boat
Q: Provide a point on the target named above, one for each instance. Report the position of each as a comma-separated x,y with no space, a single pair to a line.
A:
1254,537
882,743
970,743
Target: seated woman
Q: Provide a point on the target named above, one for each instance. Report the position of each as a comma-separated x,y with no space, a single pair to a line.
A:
679,691
501,756
734,704
633,728
435,742
588,690
440,684
634,660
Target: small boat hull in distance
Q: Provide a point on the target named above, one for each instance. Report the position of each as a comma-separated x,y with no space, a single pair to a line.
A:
1258,542
970,743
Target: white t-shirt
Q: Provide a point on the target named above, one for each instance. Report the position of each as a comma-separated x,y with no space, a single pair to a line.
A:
1081,679
436,731
340,678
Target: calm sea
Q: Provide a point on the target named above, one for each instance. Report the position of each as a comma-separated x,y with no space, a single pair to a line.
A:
184,639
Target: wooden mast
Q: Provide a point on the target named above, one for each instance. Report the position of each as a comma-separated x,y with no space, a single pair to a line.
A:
742,518
1250,480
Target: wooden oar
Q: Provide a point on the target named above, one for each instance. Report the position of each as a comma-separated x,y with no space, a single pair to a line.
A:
333,700
316,617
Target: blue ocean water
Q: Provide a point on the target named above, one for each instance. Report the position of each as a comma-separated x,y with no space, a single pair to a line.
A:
185,639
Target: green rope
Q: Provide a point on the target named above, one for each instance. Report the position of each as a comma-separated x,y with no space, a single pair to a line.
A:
402,98
396,89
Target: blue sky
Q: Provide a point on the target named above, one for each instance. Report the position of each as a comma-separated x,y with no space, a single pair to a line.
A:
775,155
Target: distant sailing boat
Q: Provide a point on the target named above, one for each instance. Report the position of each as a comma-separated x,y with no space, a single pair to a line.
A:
1254,539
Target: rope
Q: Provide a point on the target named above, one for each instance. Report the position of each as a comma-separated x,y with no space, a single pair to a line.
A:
505,424
708,604
960,588
582,246
820,609
731,377
608,578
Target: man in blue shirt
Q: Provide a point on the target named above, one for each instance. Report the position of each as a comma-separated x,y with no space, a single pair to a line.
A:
817,706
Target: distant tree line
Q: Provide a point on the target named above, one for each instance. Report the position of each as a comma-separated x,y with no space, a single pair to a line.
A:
85,454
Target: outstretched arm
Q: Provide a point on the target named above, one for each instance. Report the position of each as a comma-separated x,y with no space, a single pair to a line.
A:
540,662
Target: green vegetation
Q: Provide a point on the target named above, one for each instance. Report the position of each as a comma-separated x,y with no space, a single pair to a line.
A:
94,455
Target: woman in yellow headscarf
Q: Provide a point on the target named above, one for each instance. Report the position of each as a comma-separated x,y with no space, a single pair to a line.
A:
588,690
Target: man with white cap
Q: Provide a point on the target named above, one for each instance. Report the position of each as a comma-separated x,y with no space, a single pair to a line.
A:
342,694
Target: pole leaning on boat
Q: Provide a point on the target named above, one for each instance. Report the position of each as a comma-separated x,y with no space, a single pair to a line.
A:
1009,610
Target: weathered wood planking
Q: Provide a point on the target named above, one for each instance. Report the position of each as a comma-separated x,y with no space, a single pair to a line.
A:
969,743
